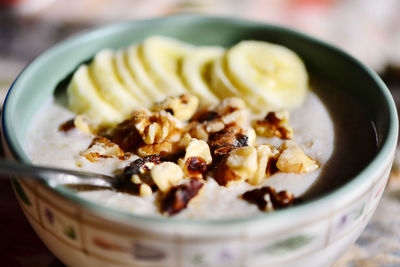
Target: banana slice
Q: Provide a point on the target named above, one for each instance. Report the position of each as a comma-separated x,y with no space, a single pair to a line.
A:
162,57
127,79
83,98
196,71
272,73
140,74
220,84
104,76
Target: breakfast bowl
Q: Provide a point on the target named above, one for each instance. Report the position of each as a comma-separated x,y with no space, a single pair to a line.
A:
315,231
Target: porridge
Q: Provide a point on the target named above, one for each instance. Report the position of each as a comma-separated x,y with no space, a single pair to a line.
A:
194,132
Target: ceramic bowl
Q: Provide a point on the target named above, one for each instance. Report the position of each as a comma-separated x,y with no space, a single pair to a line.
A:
314,233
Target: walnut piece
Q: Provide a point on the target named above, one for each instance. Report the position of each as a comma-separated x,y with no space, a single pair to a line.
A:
178,197
182,107
125,135
293,159
154,128
231,112
78,122
165,175
222,142
264,155
196,159
267,199
239,165
274,124
136,178
102,147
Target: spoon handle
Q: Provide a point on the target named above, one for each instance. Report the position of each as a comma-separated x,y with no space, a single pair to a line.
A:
53,175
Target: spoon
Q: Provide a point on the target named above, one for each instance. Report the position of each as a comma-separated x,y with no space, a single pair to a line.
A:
57,176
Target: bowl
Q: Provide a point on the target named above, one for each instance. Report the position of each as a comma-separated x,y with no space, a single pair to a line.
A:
314,233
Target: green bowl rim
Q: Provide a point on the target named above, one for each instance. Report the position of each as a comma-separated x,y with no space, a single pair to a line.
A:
385,152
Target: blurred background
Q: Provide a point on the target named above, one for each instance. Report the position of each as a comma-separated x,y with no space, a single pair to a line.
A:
367,29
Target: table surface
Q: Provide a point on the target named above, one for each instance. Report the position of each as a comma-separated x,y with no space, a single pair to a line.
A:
23,37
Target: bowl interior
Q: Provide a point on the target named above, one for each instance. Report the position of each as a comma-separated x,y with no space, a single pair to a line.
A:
40,78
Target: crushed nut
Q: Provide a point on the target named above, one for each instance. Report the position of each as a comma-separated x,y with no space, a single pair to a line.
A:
67,126
125,135
102,147
182,107
275,124
145,190
197,130
154,128
222,142
293,159
165,175
251,136
231,112
78,122
178,197
264,154
163,149
197,157
239,165
136,175
267,199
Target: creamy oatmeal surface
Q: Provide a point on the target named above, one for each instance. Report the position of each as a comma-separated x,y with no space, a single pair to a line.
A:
313,131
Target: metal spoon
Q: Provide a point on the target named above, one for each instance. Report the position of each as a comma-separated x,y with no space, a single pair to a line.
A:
58,176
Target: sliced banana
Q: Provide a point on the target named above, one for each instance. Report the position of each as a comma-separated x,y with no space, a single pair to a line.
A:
128,81
162,57
196,73
271,73
140,74
83,98
104,76
220,83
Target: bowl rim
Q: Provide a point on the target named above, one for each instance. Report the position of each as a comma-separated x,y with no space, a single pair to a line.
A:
386,151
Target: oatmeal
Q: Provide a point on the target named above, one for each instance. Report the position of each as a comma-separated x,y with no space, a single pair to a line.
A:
230,133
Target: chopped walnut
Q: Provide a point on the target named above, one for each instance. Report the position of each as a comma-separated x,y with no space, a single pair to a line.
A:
231,112
239,165
275,124
125,135
178,197
222,142
67,126
197,157
251,136
102,147
267,199
163,149
78,122
182,107
165,175
136,175
265,154
154,128
293,159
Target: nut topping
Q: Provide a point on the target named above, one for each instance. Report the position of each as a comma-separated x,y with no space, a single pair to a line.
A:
196,159
267,199
264,154
178,197
165,175
136,175
239,165
182,107
275,124
221,143
102,147
78,122
293,159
